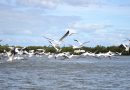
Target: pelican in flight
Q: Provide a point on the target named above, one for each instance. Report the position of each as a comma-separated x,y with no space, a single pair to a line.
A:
80,44
108,54
68,56
126,47
55,46
11,53
57,43
127,39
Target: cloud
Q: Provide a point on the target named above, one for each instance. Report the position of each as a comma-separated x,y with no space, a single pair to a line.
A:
53,17
49,4
97,3
53,4
16,32
19,26
89,27
83,3
14,23
44,4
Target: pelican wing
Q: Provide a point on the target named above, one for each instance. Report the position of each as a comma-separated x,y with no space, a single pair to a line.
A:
124,45
71,34
48,38
51,43
65,35
85,42
127,39
78,42
54,46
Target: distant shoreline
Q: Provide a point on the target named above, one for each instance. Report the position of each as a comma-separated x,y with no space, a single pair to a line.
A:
97,49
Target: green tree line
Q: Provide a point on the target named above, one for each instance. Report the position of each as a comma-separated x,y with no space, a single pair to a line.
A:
96,49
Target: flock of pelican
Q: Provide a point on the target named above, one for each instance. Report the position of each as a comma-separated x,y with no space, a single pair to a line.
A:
19,53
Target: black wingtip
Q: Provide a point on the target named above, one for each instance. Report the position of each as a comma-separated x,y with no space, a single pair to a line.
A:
68,31
75,40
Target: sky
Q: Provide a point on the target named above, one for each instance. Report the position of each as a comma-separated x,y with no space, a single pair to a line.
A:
102,22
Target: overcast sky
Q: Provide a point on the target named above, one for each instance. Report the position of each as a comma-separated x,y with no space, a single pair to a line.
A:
102,22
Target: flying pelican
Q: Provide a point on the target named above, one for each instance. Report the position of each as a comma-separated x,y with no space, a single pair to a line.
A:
40,52
88,54
109,54
127,39
126,47
63,54
80,44
51,55
31,53
69,56
119,54
11,53
57,43
71,33
55,46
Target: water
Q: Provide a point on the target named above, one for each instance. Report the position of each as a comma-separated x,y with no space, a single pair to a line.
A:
74,74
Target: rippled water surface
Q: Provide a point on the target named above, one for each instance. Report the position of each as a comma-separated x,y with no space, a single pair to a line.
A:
74,74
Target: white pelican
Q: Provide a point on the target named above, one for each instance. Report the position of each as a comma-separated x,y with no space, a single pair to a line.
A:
108,54
69,56
31,53
40,52
126,47
11,53
55,46
79,51
57,43
80,44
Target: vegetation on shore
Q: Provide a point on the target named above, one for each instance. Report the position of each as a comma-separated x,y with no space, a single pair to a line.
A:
97,49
